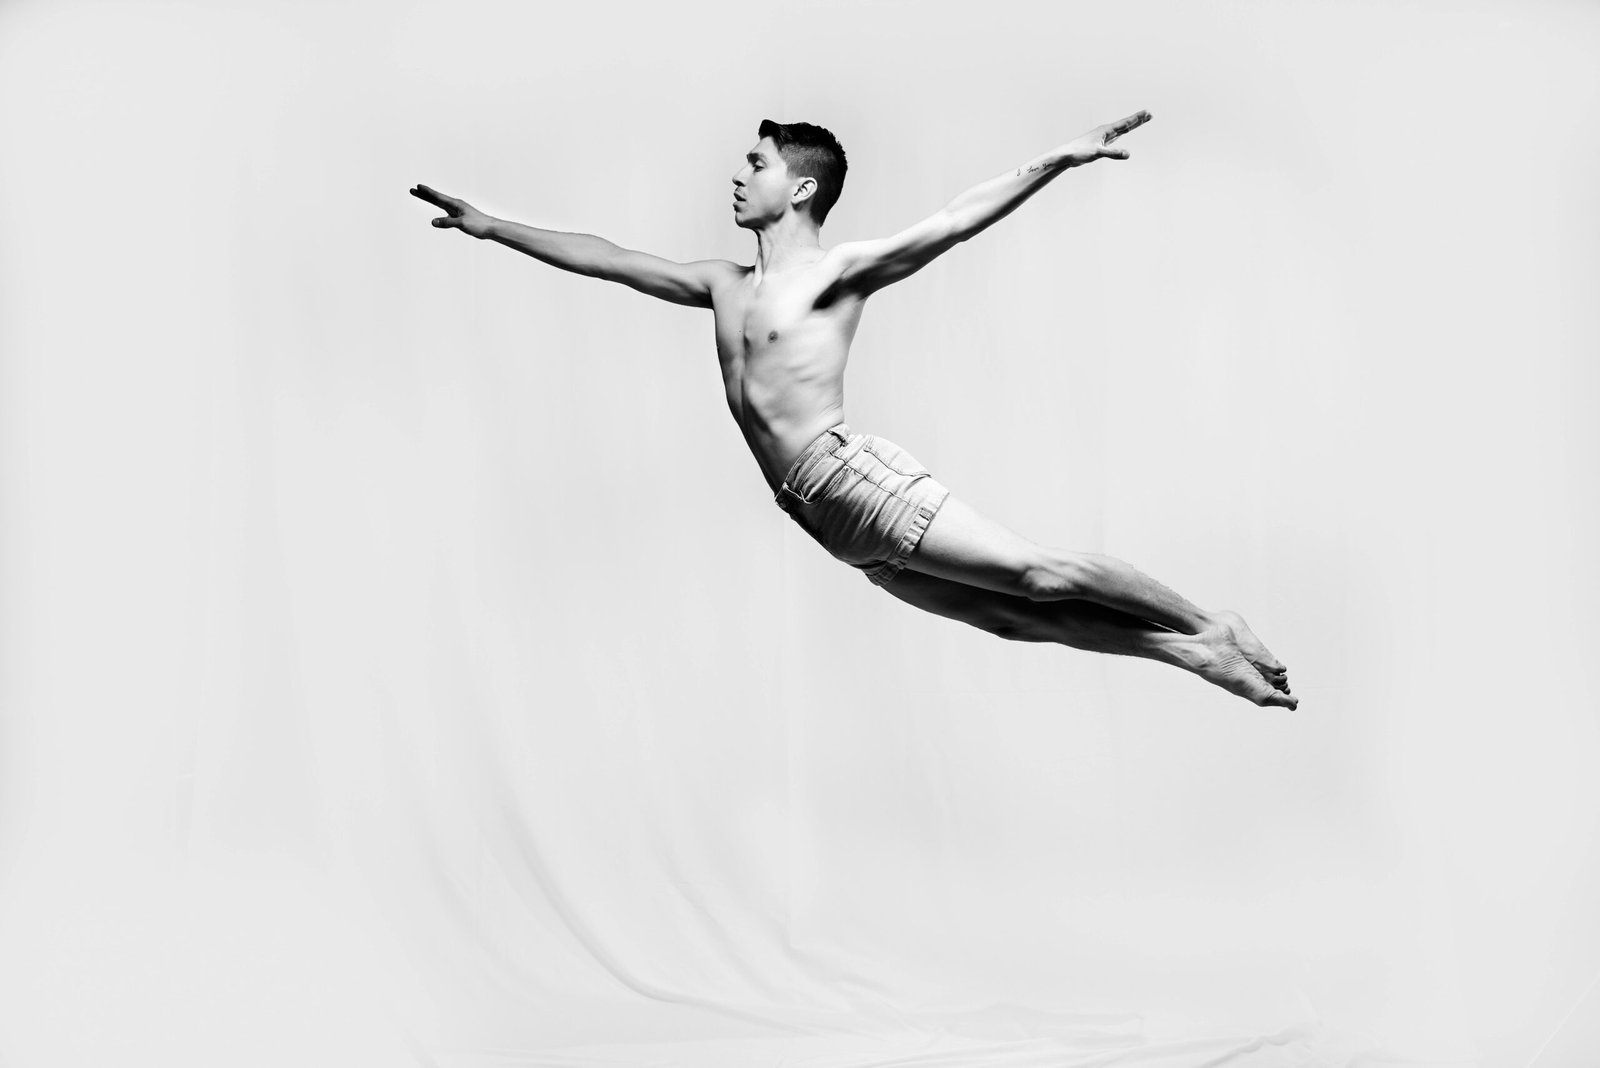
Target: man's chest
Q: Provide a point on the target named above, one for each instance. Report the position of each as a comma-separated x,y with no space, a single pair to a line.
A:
753,321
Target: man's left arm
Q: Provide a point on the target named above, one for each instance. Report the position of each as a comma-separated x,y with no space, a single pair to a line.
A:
988,202
866,266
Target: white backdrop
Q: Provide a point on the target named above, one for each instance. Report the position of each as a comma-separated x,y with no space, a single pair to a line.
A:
404,662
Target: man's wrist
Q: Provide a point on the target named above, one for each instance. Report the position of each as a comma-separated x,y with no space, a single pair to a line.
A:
1059,159
1048,164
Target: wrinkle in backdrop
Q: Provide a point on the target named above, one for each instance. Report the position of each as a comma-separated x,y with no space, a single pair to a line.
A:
404,662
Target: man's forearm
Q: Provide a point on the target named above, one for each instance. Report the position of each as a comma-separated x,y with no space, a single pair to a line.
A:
579,253
1111,582
988,202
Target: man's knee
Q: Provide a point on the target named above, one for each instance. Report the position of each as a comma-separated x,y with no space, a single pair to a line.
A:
1054,576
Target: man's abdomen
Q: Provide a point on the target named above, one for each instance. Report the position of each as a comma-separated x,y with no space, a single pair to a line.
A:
780,421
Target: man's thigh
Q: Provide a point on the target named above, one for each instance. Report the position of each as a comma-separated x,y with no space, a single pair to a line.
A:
964,546
998,613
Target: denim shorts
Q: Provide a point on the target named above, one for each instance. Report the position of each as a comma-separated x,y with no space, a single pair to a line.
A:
863,498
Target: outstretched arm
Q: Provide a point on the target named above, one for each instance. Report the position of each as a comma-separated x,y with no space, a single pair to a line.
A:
586,254
866,266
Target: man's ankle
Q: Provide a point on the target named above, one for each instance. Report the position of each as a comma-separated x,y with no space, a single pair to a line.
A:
1184,651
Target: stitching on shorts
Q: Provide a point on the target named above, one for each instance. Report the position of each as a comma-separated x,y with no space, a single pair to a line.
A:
824,490
898,473
884,460
883,571
830,488
814,454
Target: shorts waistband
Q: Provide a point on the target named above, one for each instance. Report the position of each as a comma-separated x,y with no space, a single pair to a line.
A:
837,434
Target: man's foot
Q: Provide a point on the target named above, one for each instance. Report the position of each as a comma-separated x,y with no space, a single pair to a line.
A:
1270,667
1218,655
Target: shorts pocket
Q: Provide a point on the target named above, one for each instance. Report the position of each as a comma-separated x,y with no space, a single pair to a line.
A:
894,457
813,481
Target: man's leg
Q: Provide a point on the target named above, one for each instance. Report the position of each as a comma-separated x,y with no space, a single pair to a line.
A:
965,547
1080,624
1211,654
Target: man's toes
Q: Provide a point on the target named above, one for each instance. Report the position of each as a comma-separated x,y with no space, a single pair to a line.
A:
1239,675
1266,696
1257,690
1279,676
1264,691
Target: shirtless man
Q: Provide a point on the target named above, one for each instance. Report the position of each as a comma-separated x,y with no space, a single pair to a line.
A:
783,330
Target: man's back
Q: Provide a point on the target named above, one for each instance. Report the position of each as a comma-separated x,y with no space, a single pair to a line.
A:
782,343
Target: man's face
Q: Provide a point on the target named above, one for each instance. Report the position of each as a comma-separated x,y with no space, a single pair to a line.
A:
761,188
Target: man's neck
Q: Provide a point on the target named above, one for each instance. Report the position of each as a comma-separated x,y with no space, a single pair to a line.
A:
786,243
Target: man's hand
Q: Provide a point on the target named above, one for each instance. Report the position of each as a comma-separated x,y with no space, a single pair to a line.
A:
1096,144
462,216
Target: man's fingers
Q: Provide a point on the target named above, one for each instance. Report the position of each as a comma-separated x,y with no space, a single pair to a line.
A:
1132,122
438,200
446,221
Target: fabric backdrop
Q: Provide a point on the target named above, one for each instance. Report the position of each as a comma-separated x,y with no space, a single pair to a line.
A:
404,663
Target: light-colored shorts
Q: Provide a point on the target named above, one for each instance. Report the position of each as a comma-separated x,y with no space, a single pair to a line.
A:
863,498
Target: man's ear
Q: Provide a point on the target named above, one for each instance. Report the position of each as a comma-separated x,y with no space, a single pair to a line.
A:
803,191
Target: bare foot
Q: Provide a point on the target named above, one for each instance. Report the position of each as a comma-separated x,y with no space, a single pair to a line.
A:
1217,655
1270,667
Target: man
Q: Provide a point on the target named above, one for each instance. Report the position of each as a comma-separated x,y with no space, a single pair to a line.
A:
783,330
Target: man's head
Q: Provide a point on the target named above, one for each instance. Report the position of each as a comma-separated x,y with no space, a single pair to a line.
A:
794,164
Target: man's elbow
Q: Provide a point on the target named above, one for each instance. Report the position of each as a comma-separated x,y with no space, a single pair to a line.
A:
957,226
602,261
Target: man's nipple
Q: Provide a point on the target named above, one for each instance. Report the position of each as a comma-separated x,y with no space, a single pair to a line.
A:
772,336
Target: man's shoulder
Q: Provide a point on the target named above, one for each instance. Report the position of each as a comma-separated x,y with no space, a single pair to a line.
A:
715,274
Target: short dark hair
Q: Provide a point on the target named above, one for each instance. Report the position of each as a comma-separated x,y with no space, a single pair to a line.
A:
811,152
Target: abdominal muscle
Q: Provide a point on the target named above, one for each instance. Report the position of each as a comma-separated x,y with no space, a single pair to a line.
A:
780,414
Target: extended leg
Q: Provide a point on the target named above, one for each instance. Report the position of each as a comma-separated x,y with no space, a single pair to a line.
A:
1079,624
1212,654
964,547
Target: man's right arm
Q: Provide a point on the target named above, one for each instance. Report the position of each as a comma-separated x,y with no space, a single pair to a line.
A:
579,253
681,283
689,284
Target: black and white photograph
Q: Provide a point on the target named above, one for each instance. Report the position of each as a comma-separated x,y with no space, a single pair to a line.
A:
843,534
